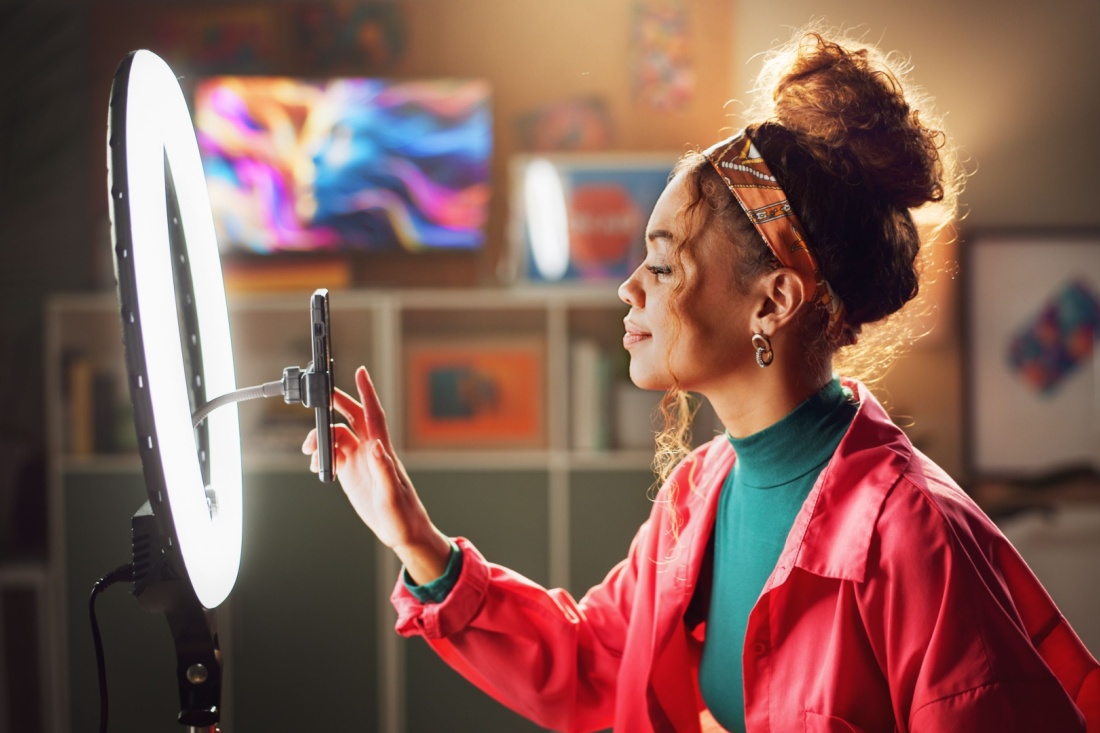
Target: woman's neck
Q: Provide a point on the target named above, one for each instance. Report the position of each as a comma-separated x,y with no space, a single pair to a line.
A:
760,399
799,443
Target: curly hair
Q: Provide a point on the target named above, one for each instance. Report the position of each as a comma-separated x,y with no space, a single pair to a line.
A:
869,172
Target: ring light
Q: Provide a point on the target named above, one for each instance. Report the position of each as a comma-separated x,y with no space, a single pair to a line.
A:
175,324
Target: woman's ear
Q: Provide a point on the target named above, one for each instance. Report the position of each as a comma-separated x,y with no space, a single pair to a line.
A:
783,293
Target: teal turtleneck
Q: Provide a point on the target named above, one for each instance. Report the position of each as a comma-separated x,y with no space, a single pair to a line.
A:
775,471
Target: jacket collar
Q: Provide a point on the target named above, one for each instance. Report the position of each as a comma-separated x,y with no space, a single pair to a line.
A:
831,535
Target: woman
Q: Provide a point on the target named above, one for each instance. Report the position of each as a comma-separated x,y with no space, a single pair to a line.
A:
810,569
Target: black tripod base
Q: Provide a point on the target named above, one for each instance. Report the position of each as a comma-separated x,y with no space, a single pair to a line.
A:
161,585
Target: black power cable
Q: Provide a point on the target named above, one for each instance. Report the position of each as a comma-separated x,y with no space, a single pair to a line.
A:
122,572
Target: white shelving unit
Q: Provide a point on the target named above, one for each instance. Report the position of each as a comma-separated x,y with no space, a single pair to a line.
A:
369,327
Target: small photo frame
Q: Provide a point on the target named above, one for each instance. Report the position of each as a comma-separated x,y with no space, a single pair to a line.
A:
240,40
577,124
1032,361
475,393
582,217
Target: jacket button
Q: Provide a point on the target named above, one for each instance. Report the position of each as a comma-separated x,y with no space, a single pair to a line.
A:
760,648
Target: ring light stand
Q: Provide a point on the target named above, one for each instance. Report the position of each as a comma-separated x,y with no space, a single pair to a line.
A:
175,329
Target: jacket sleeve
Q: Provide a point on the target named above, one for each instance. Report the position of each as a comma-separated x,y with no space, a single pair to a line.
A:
966,634
538,651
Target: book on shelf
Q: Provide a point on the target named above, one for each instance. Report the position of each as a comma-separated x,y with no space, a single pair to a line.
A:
80,423
637,420
591,396
94,414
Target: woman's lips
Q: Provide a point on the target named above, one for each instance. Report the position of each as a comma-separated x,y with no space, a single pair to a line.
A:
634,336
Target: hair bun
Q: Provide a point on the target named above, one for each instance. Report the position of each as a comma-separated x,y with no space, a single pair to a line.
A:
863,162
848,108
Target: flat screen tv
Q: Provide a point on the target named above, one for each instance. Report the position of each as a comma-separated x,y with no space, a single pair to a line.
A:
339,165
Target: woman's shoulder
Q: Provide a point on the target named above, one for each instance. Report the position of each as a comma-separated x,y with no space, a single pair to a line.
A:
707,464
928,508
693,484
915,500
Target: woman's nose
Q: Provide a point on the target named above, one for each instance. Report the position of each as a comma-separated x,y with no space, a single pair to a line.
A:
629,292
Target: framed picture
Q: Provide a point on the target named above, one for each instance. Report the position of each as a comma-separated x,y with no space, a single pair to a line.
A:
475,393
1032,370
242,40
582,217
576,124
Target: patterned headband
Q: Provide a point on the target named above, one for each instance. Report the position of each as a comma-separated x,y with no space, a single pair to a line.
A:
745,173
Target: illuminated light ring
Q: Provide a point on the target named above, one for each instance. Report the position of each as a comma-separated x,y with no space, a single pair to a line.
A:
193,475
547,219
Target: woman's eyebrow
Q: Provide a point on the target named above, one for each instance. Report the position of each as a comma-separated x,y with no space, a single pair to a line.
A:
656,234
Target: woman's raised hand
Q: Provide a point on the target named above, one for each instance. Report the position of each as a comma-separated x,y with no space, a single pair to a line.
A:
377,485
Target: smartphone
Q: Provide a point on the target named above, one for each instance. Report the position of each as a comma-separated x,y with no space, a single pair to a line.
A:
321,383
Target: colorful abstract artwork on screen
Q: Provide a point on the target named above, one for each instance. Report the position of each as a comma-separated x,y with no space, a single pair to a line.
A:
345,164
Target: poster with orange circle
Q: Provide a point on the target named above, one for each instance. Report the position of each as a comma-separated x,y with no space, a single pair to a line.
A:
582,217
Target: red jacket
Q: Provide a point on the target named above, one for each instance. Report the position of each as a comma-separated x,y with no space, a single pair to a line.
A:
896,605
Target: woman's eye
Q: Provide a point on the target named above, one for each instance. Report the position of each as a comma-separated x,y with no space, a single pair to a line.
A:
659,270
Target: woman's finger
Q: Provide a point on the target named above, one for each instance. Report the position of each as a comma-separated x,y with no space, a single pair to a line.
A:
344,442
384,471
372,409
309,445
344,437
340,434
346,405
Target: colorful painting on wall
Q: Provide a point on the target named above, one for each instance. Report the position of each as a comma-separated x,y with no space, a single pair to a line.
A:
1059,340
572,125
661,68
231,40
351,37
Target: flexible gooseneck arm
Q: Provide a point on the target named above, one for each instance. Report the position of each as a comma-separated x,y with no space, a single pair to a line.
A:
297,387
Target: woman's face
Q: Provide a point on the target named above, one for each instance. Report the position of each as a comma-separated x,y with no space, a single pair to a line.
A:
700,337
